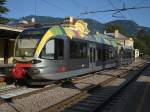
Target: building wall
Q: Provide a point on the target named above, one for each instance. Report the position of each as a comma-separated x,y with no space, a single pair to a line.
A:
1,51
129,42
137,53
10,50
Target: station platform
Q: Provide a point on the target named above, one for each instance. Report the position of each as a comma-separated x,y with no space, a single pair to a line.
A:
136,97
139,100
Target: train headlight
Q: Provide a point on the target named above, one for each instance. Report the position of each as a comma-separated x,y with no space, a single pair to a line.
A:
36,61
18,73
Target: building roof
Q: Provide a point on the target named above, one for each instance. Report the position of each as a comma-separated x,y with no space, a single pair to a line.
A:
9,32
120,36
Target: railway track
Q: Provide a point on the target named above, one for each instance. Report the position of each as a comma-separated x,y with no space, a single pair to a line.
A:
95,97
12,92
22,92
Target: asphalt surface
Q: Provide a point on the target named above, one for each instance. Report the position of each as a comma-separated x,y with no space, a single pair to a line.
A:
140,99
135,98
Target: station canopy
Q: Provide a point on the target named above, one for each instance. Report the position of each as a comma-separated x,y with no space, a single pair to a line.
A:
9,32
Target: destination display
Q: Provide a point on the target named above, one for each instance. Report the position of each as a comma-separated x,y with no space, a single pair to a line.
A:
34,32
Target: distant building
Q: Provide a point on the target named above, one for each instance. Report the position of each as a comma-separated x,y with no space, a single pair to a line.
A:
8,35
137,53
123,40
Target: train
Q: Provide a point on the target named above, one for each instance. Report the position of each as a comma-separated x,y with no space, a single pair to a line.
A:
63,51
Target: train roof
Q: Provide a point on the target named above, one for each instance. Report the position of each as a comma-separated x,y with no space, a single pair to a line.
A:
78,29
74,33
71,32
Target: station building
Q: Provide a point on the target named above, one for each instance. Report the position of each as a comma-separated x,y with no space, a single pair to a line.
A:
8,35
137,53
123,40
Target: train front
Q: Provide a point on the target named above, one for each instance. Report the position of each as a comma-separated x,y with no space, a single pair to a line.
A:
24,51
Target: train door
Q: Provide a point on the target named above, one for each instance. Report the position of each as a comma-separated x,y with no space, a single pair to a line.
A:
92,57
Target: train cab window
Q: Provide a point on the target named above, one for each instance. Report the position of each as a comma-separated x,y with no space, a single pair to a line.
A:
78,49
53,49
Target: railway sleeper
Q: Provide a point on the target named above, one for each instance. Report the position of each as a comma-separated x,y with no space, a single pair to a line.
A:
96,98
85,104
102,93
90,102
79,108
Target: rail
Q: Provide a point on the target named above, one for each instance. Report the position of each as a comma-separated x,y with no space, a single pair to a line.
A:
98,98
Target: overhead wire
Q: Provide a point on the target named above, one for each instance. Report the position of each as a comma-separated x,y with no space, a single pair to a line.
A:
78,5
105,5
101,7
58,7
35,10
124,6
115,13
119,9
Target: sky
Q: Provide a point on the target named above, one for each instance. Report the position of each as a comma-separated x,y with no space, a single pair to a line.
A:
62,8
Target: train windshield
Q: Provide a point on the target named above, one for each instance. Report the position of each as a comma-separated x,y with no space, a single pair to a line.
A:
28,42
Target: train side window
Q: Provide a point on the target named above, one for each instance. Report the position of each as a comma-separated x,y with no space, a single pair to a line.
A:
103,54
99,54
94,55
111,53
53,49
78,49
59,49
91,55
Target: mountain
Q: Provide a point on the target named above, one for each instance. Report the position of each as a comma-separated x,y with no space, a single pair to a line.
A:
39,19
129,27
43,19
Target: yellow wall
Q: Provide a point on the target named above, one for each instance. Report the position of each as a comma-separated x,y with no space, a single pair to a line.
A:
129,42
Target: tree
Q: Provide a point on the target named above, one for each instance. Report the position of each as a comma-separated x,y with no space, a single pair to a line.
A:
142,42
141,33
112,28
3,10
